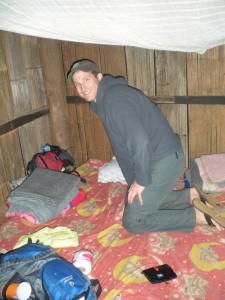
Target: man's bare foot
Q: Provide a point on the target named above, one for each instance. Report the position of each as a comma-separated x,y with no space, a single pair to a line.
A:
193,194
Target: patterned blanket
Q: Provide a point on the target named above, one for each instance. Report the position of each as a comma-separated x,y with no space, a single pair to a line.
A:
198,258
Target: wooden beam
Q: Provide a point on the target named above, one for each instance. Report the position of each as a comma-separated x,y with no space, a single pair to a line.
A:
169,100
200,100
29,117
75,99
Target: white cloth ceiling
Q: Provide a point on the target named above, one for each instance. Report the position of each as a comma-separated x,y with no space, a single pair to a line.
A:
177,25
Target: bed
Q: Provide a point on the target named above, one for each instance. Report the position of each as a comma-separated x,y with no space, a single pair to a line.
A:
198,258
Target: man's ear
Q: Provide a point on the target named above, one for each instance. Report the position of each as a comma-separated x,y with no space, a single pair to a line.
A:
99,76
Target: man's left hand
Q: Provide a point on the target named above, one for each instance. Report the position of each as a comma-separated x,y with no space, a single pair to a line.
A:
135,189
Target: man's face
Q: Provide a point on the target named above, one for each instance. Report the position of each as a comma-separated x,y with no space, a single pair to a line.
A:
86,84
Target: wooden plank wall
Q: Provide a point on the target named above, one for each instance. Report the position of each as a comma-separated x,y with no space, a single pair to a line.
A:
206,76
27,87
22,91
33,81
162,75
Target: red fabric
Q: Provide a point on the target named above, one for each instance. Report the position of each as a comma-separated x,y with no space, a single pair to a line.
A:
51,160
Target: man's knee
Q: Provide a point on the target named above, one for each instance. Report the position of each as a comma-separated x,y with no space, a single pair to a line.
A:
133,225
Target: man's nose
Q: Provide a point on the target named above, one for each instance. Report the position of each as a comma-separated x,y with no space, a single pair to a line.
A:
83,86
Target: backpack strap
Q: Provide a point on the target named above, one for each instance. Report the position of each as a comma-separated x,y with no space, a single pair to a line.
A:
44,162
31,165
78,174
96,283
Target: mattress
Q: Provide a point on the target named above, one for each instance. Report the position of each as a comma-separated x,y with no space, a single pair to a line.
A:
198,258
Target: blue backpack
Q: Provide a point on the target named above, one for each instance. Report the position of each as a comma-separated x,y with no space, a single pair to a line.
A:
49,275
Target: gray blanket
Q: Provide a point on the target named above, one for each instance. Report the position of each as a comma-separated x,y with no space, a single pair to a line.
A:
44,194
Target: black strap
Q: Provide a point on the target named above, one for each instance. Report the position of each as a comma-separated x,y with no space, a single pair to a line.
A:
81,178
95,282
44,162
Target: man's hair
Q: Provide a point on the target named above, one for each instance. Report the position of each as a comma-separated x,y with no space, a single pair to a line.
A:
84,65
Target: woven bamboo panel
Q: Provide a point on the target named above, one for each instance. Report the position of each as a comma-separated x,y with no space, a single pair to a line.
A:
32,136
206,129
31,52
36,88
55,91
22,90
6,111
13,50
205,72
171,80
78,150
13,166
2,171
141,69
3,66
170,73
112,60
23,66
206,76
4,192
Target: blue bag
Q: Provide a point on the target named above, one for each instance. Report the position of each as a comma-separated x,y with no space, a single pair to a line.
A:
63,281
57,280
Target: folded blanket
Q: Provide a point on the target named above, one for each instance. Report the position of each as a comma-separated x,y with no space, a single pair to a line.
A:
44,194
212,172
214,166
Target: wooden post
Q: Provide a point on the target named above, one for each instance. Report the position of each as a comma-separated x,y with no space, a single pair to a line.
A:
55,87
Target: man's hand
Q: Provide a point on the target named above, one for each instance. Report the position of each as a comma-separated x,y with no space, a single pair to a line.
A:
135,189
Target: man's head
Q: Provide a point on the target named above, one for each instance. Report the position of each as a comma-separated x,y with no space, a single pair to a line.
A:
84,65
86,77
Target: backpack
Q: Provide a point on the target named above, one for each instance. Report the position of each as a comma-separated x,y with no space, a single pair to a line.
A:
56,159
49,275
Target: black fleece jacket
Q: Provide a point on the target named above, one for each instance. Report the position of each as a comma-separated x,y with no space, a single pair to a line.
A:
137,129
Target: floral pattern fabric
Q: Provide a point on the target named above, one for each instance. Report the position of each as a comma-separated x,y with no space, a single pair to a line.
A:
198,258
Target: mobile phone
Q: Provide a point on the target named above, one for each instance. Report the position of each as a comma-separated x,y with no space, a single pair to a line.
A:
159,274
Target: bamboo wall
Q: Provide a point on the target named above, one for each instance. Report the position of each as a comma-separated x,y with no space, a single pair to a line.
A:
35,108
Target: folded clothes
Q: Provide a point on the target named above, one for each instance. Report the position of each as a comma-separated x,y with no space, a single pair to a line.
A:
58,237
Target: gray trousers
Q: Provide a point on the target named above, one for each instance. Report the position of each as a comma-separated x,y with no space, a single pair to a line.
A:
163,208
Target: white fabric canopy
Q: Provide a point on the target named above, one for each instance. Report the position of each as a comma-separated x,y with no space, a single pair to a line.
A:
177,25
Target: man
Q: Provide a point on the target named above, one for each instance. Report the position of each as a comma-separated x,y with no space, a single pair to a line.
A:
149,153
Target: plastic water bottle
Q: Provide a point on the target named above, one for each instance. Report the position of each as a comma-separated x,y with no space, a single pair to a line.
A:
83,260
20,291
47,148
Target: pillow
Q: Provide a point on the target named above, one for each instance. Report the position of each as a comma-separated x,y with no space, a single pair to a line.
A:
111,172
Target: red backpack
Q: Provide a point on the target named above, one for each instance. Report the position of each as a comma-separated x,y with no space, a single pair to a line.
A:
58,160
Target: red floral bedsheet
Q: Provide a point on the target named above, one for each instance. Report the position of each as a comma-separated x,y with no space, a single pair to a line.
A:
198,258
